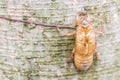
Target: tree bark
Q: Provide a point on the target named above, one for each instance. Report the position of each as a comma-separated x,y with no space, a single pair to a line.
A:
33,52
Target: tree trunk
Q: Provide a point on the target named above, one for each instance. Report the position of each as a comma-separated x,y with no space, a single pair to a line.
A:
32,52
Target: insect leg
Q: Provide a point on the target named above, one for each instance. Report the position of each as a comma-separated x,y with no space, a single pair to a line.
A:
71,57
100,31
96,55
72,54
58,30
71,33
68,34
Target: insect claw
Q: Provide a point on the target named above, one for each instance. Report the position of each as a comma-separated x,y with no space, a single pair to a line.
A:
58,30
96,55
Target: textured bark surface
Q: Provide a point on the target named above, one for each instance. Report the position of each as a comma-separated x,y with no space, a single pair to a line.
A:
31,52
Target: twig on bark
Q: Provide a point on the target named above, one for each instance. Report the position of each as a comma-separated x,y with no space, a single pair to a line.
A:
36,23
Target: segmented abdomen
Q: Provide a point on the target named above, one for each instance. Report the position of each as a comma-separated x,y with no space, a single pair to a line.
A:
83,63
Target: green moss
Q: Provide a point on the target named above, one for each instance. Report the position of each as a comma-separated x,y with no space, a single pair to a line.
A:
26,26
44,19
53,0
25,18
118,9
